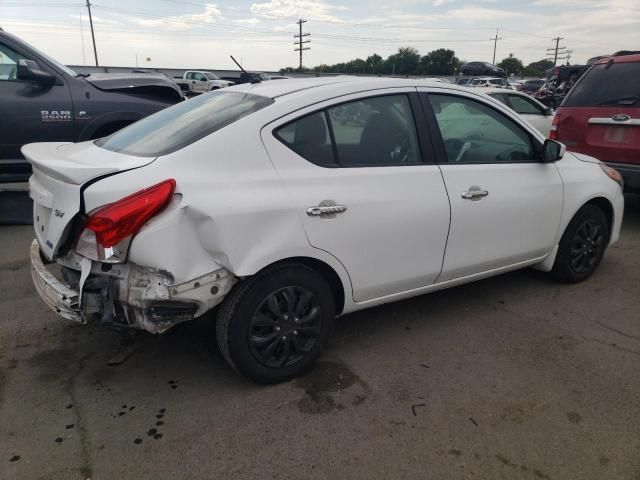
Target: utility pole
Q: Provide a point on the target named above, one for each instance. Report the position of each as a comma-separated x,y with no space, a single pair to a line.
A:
567,56
93,37
84,59
495,45
556,50
299,43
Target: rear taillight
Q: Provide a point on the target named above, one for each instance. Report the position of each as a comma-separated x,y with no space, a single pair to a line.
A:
109,229
555,123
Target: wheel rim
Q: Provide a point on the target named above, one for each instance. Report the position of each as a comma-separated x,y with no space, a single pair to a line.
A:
587,246
285,327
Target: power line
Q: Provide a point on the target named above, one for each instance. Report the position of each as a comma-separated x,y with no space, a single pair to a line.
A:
300,42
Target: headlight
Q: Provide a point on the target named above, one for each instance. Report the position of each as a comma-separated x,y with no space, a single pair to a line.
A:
613,174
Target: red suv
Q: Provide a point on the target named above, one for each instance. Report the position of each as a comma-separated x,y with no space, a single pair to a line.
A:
600,116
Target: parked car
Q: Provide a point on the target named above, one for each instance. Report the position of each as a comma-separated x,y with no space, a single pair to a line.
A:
464,80
200,81
530,86
516,84
534,112
482,68
287,203
42,100
601,116
489,82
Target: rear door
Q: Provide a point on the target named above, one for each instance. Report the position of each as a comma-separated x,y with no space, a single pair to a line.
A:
601,115
532,111
29,112
505,204
366,188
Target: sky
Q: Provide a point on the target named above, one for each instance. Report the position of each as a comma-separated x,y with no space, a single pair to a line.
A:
201,34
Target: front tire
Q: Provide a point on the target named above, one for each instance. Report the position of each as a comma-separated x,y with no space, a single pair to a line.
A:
273,326
582,245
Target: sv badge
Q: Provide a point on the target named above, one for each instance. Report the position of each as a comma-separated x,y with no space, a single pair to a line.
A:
59,213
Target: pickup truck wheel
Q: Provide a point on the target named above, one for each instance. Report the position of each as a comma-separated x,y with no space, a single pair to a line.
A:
582,245
273,326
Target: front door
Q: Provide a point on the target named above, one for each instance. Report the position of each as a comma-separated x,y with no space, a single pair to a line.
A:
505,204
29,112
365,189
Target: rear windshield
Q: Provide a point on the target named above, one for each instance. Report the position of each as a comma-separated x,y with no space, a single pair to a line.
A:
601,86
183,124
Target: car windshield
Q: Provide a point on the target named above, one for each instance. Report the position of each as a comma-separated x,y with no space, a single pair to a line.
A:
211,76
602,86
183,124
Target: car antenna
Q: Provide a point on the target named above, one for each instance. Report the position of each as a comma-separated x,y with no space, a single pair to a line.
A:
251,78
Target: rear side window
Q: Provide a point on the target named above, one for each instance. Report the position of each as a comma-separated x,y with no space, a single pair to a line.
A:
601,86
524,106
309,137
183,124
377,131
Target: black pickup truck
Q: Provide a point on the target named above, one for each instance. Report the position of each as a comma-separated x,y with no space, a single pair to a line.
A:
42,100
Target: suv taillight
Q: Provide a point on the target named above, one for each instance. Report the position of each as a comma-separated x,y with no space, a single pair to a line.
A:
109,229
555,123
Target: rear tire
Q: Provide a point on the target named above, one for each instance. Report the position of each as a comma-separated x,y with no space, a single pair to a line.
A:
273,326
582,245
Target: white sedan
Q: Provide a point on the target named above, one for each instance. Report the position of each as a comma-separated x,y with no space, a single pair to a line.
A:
287,203
534,112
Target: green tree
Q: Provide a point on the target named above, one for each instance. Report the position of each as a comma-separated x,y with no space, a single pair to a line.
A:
439,62
538,69
512,65
405,62
375,64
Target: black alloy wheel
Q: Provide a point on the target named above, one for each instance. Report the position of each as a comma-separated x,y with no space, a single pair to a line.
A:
273,326
582,245
587,246
285,327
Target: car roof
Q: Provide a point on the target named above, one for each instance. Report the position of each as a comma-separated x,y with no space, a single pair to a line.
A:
620,59
284,87
502,90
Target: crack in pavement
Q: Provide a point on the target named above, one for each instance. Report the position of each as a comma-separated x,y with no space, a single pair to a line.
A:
620,332
70,384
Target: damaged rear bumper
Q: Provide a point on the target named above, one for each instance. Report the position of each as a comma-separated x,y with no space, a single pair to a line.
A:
125,295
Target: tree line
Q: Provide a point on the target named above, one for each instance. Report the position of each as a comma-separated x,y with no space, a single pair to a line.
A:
409,61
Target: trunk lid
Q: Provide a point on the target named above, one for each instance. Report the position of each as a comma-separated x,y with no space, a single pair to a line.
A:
59,172
601,114
611,134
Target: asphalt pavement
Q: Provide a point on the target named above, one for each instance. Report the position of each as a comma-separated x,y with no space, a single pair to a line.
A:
514,377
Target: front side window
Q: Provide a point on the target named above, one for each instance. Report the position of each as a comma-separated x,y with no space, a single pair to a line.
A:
377,131
200,77
524,106
183,124
475,133
8,63
212,76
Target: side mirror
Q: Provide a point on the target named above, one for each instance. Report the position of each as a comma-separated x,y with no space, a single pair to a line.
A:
552,151
30,70
548,112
